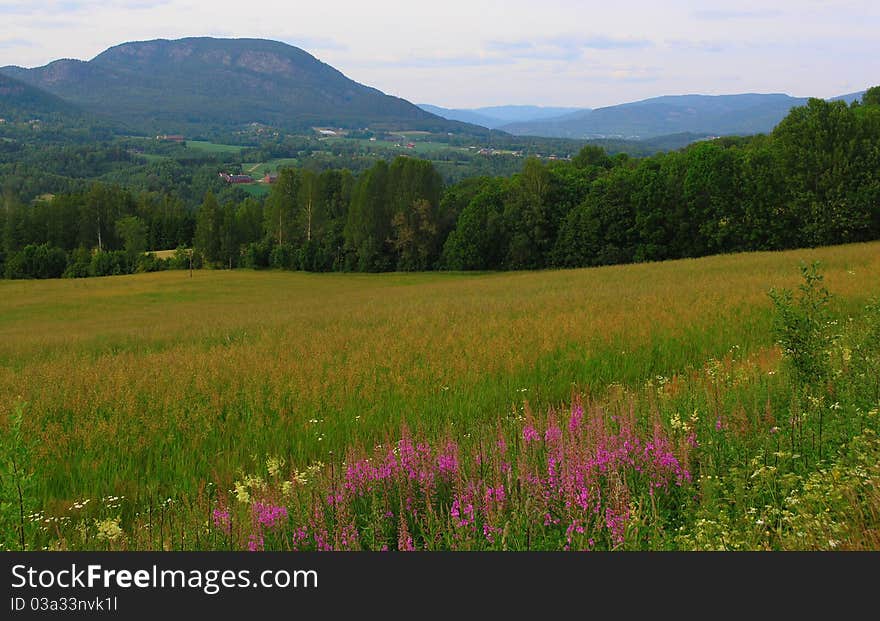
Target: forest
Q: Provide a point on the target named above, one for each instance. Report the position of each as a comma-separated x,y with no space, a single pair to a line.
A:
814,181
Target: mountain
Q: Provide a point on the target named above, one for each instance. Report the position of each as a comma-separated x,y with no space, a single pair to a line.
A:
198,84
698,114
849,97
21,102
464,116
496,116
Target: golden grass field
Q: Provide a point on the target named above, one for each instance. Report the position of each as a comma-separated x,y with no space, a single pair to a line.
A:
155,383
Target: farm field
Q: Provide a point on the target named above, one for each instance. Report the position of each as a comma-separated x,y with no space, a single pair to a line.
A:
272,166
421,147
231,393
211,147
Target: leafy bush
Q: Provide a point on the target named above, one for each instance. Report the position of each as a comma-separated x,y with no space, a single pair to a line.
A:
112,263
37,261
257,254
183,258
151,263
283,256
802,326
80,264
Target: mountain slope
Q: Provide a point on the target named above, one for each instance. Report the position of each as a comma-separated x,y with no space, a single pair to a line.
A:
20,101
849,97
719,115
205,83
464,116
496,116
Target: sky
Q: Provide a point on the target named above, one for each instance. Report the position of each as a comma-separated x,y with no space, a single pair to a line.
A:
476,53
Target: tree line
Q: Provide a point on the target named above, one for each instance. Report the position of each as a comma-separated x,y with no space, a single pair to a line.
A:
815,180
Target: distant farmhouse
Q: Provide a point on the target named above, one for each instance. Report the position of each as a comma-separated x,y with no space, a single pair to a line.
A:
171,138
269,178
236,178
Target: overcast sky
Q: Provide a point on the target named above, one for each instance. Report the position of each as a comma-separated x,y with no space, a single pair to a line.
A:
473,53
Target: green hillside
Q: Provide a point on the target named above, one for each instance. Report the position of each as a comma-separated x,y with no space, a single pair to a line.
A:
21,102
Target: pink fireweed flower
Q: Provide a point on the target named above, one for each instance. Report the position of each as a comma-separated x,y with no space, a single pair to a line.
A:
222,519
719,424
530,434
577,417
348,537
495,494
405,543
268,515
404,539
447,462
553,434
490,532
255,543
462,512
616,522
299,537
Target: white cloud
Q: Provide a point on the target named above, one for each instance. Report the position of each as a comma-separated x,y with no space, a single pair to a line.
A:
484,52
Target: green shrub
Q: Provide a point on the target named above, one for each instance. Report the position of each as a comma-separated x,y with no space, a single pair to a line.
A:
802,326
283,257
110,263
80,263
37,261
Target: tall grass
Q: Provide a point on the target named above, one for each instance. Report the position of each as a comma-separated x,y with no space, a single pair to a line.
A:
147,388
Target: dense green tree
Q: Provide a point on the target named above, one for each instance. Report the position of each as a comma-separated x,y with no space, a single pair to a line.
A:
37,261
230,237
592,156
249,220
871,96
208,234
414,192
133,232
528,218
282,207
368,226
822,154
480,240
711,192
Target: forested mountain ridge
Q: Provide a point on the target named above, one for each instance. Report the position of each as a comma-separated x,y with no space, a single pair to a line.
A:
22,102
202,84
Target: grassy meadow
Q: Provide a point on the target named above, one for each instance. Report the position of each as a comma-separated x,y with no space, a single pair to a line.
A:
216,401
213,147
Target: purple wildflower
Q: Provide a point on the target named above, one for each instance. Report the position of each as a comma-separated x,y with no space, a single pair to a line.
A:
530,434
222,518
268,515
255,543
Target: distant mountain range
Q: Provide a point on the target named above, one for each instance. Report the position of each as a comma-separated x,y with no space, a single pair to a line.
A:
660,116
199,84
498,116
851,97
